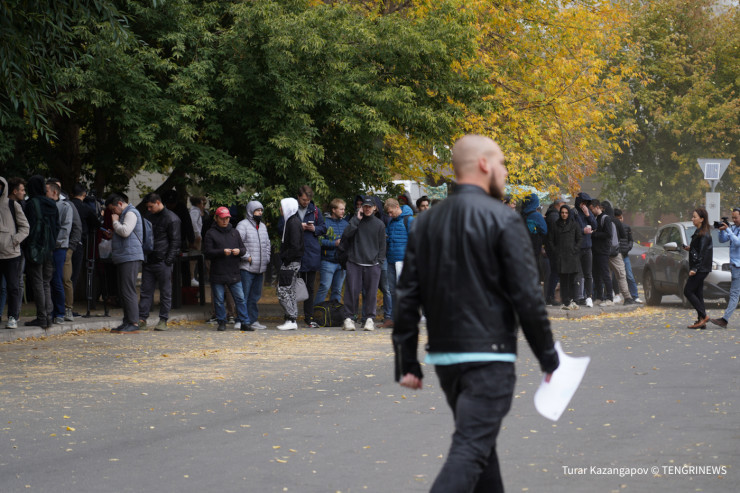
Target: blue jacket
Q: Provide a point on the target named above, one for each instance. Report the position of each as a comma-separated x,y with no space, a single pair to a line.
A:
397,235
334,230
311,260
732,234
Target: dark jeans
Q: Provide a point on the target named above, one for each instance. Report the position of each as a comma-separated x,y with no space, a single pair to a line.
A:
78,258
479,395
310,279
9,268
57,282
361,279
586,287
153,276
694,292
553,279
602,278
39,278
127,273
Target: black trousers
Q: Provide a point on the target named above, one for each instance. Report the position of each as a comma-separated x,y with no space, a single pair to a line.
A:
10,270
310,279
479,395
602,278
694,292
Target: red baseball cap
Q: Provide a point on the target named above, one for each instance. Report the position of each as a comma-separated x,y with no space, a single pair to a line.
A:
223,212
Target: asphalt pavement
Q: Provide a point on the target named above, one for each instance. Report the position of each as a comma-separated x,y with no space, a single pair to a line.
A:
316,410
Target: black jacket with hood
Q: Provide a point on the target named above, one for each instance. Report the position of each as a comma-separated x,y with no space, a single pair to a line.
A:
466,264
291,246
224,268
36,188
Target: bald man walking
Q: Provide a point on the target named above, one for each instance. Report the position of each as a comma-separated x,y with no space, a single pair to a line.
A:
466,266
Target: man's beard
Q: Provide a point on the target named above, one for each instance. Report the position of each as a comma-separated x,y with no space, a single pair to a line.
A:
494,191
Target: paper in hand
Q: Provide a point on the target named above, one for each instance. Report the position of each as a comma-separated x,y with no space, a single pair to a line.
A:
552,397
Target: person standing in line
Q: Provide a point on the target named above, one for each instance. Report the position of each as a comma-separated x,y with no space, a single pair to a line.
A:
90,223
732,234
587,221
16,194
291,252
565,240
157,268
128,255
471,244
58,295
74,243
13,230
255,261
397,234
625,245
224,247
700,265
332,273
43,223
364,239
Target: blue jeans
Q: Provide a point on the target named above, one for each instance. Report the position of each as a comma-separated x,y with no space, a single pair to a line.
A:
57,283
630,277
479,395
237,293
252,289
734,292
332,277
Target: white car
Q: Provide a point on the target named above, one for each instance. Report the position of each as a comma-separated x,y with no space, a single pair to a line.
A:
667,265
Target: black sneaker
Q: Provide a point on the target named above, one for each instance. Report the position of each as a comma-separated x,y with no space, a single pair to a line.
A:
630,301
231,320
36,322
221,326
247,328
312,325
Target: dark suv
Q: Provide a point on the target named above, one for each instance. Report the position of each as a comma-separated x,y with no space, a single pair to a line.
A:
667,265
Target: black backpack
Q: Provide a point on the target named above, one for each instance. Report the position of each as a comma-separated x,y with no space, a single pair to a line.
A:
328,314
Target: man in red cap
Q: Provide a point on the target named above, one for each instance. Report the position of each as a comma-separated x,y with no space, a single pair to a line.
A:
224,247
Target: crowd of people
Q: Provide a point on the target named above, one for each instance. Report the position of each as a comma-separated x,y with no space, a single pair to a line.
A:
49,235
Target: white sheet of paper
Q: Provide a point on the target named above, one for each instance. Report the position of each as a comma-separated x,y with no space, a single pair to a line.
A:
552,397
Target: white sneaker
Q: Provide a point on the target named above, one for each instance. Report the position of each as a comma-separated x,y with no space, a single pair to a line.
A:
348,324
288,325
638,300
258,326
618,299
12,323
589,302
369,324
573,306
565,307
238,325
423,320
194,283
606,303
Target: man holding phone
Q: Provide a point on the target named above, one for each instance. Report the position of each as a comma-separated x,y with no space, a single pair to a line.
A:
731,233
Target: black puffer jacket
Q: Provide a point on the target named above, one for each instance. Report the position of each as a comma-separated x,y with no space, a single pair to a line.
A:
224,269
467,265
701,251
166,227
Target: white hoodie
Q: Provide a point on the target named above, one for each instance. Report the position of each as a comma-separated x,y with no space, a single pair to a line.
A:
290,207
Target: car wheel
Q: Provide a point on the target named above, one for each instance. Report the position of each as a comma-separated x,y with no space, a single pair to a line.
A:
681,284
652,296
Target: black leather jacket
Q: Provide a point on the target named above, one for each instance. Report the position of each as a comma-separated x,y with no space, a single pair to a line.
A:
701,251
166,231
468,264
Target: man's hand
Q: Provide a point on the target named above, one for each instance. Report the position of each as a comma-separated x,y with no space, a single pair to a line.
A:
359,214
411,381
723,227
336,243
235,251
114,217
548,376
584,208
692,273
227,251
